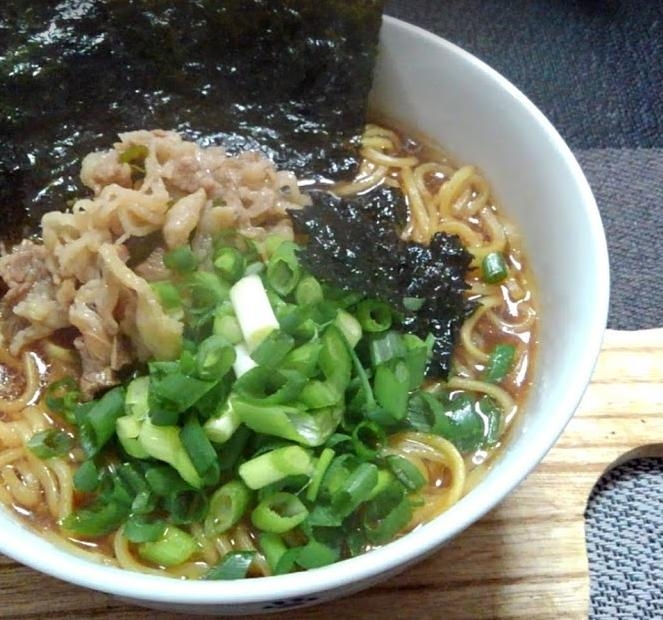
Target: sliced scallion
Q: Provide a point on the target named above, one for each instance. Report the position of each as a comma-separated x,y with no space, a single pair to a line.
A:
493,268
273,548
367,438
86,478
234,565
391,387
181,259
500,362
308,291
96,421
279,513
276,465
321,465
50,443
406,472
374,315
62,397
214,358
231,263
227,506
173,547
283,270
138,529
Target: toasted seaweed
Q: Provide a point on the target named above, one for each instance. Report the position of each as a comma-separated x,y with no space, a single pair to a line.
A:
290,78
354,244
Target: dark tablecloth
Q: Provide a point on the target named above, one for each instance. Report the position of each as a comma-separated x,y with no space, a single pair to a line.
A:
595,68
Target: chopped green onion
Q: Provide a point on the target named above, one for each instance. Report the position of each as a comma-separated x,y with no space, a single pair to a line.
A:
349,327
273,548
315,554
416,358
271,351
226,507
283,270
127,428
303,359
215,357
173,547
500,363
50,443
139,529
168,295
62,397
265,386
493,268
413,303
221,426
321,465
384,530
97,519
234,565
181,259
172,394
186,507
276,465
310,428
406,472
144,503
374,315
322,515
243,361
164,444
96,420
136,400
317,394
391,387
386,346
230,263
279,513
227,326
385,481
308,291
458,421
164,481
335,359
207,290
134,155
200,451
367,438
86,478
272,243
356,489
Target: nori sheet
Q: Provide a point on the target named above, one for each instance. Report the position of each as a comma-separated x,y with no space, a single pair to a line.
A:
355,245
289,77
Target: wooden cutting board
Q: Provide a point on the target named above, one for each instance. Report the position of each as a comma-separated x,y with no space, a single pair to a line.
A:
525,559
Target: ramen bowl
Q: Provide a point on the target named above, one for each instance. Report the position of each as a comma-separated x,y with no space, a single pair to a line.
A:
434,88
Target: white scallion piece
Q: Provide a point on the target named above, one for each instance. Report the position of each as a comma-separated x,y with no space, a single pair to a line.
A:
243,361
253,310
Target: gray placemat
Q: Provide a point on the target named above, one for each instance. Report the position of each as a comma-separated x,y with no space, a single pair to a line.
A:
625,542
628,187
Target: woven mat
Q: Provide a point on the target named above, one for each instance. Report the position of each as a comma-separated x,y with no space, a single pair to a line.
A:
595,68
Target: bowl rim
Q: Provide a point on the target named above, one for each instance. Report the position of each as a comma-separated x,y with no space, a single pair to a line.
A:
398,554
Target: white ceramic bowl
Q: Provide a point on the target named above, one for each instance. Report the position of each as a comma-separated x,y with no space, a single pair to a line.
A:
436,88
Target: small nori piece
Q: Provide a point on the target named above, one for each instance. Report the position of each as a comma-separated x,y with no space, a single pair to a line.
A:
355,245
290,78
